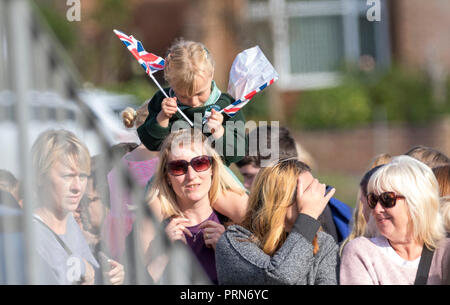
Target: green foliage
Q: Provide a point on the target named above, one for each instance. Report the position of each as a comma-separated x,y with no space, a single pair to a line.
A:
405,95
396,95
64,31
257,109
399,94
344,106
142,88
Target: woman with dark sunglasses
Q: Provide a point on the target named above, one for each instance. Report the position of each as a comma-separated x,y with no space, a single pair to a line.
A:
404,201
189,179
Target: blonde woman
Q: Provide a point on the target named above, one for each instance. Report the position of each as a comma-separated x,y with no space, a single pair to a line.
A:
278,242
189,71
363,223
62,164
404,201
188,181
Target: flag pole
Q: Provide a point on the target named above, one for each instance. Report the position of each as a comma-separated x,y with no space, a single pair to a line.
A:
132,41
165,94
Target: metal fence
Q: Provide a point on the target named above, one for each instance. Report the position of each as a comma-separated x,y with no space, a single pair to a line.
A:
41,89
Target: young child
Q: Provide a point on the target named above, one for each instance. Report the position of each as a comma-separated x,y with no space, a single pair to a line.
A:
189,70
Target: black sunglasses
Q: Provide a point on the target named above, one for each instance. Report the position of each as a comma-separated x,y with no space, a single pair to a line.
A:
386,199
180,167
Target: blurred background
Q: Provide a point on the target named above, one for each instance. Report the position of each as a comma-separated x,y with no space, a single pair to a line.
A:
357,78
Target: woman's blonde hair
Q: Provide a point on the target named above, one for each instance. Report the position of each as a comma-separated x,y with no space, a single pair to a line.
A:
414,180
58,145
269,203
131,117
186,62
221,179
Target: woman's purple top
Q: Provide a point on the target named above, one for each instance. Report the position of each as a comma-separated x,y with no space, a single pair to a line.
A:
205,255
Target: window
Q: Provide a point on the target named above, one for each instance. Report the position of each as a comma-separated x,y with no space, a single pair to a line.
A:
309,41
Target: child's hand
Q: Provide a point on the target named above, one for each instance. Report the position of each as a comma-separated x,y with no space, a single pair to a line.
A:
168,108
215,124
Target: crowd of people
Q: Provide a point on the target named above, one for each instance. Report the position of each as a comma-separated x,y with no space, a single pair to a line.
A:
98,219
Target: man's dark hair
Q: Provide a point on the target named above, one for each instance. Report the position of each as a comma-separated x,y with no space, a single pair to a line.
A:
365,179
287,147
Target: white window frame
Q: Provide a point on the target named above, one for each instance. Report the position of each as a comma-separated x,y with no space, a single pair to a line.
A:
278,12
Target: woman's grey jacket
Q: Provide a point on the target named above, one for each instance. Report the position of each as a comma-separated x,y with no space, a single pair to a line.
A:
240,261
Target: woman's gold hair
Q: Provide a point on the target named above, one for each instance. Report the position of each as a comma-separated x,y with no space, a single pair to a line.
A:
221,180
268,204
58,145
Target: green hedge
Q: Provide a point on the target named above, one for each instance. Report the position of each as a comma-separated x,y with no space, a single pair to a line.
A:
339,107
396,95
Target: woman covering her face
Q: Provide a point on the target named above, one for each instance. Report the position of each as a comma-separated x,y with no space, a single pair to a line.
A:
278,241
189,179
404,200
61,166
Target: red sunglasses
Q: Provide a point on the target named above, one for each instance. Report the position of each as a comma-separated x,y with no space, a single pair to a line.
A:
386,199
180,167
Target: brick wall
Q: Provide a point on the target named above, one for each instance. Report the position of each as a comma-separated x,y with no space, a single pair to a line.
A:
351,151
420,31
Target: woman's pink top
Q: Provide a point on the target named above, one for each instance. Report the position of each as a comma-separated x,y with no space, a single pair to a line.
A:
374,262
119,222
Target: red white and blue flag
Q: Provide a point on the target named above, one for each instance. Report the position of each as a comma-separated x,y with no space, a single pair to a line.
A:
250,73
149,62
238,104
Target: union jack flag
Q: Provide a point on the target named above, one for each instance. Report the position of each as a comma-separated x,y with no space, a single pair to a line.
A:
149,62
238,104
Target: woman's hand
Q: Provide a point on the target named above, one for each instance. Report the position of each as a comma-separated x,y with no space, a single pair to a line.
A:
212,232
215,124
89,275
168,109
176,228
311,199
117,273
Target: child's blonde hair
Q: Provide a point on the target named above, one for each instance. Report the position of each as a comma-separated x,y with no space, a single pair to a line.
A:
186,62
131,117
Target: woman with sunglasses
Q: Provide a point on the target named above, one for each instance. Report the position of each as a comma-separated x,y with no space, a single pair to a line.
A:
404,201
189,178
